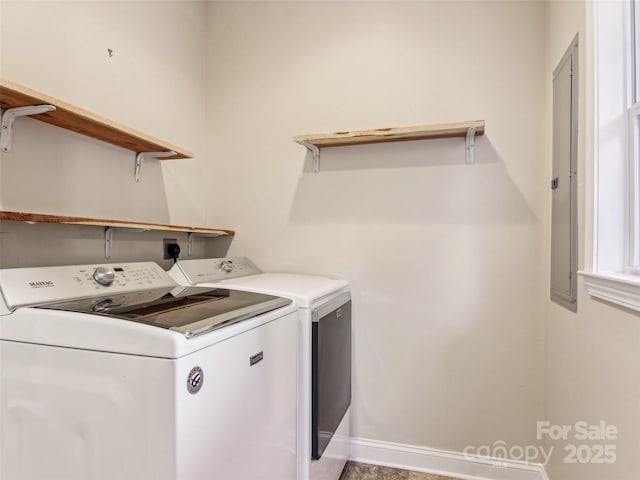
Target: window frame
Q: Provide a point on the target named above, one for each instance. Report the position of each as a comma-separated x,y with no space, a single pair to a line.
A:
632,76
633,129
612,273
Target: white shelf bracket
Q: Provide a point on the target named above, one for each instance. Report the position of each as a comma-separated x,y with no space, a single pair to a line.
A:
189,244
470,144
108,237
140,157
315,152
9,116
190,236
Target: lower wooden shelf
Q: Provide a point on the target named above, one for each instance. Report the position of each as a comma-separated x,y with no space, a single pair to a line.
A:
39,217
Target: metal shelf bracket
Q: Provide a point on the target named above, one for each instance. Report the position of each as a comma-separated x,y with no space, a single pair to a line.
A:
315,152
189,243
141,156
469,145
9,116
190,236
108,237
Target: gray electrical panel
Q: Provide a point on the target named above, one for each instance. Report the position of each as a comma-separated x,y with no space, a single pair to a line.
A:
564,193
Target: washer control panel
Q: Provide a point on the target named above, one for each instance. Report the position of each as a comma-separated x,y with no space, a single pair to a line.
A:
33,286
207,270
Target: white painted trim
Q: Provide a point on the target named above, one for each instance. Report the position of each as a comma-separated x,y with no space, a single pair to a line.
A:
543,473
590,139
442,462
619,289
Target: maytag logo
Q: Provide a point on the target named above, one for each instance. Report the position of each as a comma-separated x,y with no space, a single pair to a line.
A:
256,358
46,283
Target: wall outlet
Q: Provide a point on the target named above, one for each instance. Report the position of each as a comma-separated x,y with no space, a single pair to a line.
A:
165,247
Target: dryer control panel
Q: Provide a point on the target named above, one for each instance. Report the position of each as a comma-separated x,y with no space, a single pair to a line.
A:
38,285
208,270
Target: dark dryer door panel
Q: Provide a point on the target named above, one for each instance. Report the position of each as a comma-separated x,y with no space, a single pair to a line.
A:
331,374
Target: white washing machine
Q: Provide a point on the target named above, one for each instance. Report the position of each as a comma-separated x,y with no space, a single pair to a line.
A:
324,396
112,372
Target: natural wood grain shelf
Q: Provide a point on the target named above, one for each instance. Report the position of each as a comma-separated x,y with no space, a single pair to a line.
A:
72,118
37,217
384,135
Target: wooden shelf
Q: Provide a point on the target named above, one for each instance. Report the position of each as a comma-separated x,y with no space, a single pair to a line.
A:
72,118
37,217
384,135
468,130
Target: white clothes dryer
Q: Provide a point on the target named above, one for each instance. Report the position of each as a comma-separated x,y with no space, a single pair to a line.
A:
324,363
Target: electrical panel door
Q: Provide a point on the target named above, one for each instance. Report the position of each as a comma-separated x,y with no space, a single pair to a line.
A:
564,224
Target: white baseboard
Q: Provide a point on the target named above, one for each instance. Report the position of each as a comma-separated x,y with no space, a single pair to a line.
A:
543,473
442,462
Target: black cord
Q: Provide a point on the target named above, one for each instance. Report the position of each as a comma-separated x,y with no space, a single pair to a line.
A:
173,249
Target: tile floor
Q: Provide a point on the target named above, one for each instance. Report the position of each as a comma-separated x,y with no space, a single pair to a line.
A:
362,471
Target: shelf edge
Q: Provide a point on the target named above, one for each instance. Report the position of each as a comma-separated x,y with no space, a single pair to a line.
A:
382,135
86,122
98,222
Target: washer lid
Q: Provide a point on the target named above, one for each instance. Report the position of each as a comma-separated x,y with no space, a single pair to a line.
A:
190,311
240,273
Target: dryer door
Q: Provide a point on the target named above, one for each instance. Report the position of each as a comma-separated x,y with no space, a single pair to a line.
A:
331,371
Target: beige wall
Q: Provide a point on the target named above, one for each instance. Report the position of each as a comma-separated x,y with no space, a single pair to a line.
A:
154,82
448,262
445,259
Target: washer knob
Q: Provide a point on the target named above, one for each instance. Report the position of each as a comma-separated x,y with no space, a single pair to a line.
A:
225,266
102,305
104,276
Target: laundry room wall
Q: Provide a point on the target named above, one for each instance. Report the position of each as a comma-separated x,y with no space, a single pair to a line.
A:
593,356
153,82
445,259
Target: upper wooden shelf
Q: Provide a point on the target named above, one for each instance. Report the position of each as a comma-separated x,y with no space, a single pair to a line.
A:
37,217
86,123
384,135
467,130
